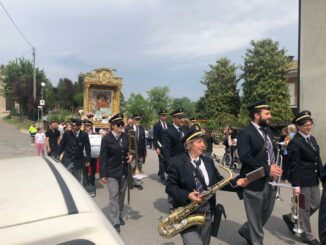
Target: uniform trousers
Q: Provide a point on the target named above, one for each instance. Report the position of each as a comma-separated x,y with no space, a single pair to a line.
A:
259,207
312,201
161,168
198,234
74,171
117,191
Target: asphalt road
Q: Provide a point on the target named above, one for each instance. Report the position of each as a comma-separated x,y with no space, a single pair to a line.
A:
148,205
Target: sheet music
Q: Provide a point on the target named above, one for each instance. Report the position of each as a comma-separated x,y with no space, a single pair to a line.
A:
283,185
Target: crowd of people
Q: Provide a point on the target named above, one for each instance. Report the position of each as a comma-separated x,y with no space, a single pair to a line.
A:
187,169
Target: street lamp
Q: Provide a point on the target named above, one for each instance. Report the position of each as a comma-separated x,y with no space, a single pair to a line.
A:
42,103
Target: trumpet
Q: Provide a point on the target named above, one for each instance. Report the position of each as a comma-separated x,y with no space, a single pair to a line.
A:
295,214
133,148
279,162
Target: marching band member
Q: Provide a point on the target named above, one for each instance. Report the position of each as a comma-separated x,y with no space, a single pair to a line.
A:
256,149
159,130
188,175
304,173
114,160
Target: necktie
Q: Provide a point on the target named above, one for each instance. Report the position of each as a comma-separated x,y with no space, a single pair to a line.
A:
164,126
310,143
269,147
137,132
199,185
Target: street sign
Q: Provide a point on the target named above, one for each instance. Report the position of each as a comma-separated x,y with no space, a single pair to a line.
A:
40,107
42,102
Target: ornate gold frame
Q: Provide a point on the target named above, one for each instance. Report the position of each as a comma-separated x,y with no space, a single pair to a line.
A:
102,79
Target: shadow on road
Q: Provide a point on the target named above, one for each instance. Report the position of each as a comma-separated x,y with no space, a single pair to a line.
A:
128,213
162,205
278,228
154,177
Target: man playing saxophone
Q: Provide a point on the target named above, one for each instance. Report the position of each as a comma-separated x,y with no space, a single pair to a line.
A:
189,174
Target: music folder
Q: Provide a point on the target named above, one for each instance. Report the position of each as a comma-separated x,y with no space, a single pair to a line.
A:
255,175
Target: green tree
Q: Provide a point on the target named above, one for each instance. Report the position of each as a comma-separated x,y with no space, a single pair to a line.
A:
18,85
65,94
159,98
79,92
136,103
188,106
221,102
264,70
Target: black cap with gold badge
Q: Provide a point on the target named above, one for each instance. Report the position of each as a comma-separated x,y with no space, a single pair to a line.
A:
75,121
162,112
257,105
302,116
177,113
193,134
117,118
136,116
87,122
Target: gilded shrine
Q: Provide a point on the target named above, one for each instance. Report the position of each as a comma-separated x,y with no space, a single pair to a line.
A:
101,95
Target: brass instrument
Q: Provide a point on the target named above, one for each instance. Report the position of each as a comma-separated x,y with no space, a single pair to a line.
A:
279,162
182,217
295,214
133,148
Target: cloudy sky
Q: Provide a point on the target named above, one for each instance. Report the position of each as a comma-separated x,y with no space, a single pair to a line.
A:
150,42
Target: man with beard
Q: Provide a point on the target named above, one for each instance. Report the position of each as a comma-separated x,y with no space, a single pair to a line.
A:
256,150
52,139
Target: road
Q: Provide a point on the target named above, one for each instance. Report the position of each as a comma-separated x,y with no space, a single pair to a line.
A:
148,205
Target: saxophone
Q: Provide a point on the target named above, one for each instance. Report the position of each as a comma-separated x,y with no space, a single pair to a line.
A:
182,217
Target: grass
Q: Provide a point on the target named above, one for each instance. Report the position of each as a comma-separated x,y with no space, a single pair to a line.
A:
18,123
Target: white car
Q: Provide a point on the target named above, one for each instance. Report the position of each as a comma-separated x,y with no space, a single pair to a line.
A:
42,203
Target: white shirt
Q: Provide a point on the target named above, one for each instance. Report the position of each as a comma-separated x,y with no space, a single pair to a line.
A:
305,136
261,132
202,168
162,123
39,138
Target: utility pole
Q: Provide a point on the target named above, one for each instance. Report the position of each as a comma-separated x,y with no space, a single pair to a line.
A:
34,76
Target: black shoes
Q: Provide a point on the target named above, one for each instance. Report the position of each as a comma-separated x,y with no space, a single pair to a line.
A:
247,238
117,228
139,187
289,223
121,221
314,242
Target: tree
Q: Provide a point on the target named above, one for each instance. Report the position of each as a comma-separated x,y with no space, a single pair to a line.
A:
65,94
79,92
18,85
159,98
136,103
186,104
221,102
264,70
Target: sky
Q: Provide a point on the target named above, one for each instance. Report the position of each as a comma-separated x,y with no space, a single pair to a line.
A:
149,42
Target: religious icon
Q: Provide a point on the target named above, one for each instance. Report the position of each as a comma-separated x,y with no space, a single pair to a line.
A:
101,103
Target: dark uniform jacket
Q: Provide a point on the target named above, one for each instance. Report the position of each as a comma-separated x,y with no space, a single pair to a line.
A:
141,141
159,135
322,210
172,142
305,163
250,142
113,156
75,148
181,179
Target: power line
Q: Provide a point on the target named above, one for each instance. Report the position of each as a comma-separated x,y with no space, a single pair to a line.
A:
13,22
